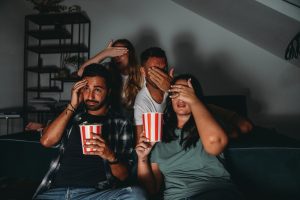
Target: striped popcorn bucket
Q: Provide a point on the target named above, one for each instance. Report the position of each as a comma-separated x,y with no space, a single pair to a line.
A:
152,123
86,131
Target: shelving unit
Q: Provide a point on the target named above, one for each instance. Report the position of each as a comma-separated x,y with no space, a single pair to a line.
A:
57,34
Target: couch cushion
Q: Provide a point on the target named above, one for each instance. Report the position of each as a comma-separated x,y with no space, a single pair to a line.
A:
265,165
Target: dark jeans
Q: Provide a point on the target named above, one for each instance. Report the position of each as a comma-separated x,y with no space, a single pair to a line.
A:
131,193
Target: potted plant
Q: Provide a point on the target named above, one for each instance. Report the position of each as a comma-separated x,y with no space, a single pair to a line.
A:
48,6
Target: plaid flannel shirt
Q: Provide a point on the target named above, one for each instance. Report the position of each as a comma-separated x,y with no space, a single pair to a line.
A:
120,139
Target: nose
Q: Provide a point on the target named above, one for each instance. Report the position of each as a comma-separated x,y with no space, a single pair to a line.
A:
180,102
91,95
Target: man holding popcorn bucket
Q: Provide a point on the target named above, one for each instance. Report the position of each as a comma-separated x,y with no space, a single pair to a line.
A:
95,145
152,97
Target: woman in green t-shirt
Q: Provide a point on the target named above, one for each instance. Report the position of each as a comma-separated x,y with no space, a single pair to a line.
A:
187,164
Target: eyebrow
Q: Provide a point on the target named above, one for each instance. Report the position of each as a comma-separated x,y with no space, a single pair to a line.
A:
99,86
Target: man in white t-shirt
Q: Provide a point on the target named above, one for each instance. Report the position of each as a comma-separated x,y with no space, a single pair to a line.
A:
152,97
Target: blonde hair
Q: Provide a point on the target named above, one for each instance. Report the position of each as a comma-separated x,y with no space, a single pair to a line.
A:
135,79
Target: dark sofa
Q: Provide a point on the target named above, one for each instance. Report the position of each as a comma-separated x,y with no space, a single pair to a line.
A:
263,164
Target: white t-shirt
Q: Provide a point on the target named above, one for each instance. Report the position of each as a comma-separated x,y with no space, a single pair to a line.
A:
145,103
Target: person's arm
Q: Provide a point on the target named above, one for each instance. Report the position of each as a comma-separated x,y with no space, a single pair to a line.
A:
213,137
138,113
244,125
149,176
138,132
34,126
109,51
237,123
53,132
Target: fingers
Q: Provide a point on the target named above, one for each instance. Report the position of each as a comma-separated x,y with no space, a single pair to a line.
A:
144,145
33,126
97,137
157,71
94,147
97,146
176,88
94,142
174,95
156,80
189,82
181,88
100,151
143,139
171,72
181,91
79,85
110,43
118,51
143,142
139,149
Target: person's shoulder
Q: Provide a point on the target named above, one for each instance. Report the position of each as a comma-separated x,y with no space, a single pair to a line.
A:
142,96
142,92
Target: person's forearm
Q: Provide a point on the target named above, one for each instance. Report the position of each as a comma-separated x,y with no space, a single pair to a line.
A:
146,177
54,131
212,135
119,170
138,131
99,57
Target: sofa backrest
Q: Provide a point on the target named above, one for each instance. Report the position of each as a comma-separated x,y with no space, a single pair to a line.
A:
24,159
235,103
266,172
265,165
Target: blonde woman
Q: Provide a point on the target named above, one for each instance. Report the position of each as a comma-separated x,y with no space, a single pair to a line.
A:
127,80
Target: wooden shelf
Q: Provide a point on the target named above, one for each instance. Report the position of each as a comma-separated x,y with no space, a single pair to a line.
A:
54,33
59,18
56,48
68,79
48,34
44,69
44,89
33,110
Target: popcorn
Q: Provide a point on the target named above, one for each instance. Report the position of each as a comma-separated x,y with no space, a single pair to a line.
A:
153,122
86,131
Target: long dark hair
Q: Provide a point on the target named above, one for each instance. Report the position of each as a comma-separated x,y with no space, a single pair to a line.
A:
135,80
170,117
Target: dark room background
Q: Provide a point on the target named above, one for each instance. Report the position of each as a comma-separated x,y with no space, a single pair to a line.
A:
228,58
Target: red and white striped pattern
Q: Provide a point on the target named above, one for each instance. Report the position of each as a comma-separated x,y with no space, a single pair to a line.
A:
85,132
153,122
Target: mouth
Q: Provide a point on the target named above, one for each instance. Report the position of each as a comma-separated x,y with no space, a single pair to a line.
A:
91,103
181,104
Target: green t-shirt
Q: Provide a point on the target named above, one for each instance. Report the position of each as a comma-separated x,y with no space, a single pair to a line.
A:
188,172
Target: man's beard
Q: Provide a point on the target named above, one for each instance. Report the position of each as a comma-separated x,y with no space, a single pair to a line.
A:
96,106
